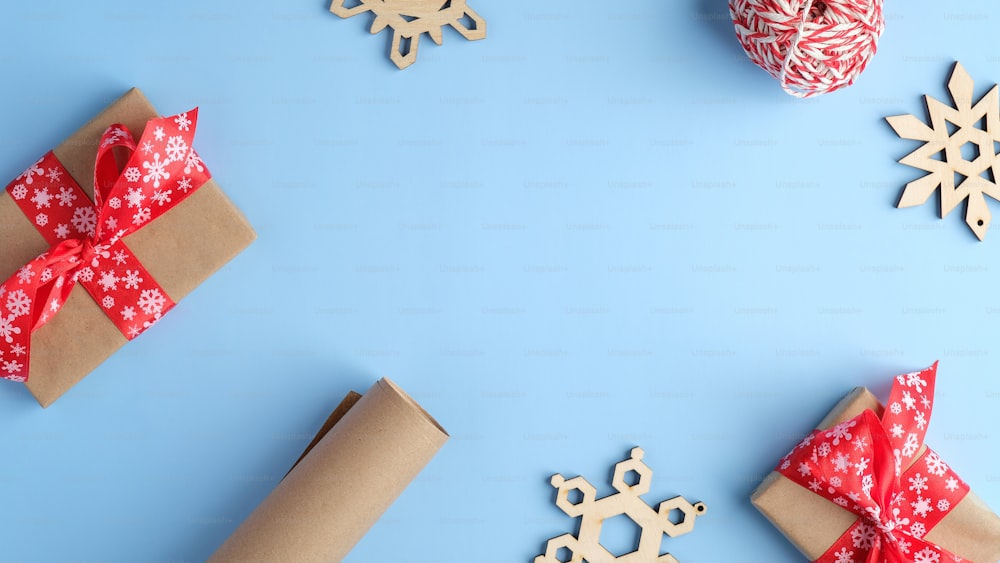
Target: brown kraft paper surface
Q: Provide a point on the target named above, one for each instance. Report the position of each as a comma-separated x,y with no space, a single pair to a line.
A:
181,249
812,523
344,483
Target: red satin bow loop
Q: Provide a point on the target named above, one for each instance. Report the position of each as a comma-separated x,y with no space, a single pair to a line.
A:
86,238
879,470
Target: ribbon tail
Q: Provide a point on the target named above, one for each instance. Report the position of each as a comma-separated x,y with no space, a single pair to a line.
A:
15,333
50,300
875,555
922,550
28,300
162,169
908,411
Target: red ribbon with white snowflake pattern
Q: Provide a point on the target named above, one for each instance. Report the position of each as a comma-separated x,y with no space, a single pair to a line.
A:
85,237
870,466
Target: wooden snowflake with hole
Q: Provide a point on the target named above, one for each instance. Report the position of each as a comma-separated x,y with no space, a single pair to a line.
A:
959,154
631,479
411,18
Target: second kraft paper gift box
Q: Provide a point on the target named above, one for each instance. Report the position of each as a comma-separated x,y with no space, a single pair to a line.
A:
106,268
865,485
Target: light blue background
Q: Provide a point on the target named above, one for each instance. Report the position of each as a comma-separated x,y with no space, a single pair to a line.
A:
600,227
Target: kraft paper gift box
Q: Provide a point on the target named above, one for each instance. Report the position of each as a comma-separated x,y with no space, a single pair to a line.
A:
180,249
814,523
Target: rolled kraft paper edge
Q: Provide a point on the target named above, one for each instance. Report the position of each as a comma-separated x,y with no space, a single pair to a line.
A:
334,495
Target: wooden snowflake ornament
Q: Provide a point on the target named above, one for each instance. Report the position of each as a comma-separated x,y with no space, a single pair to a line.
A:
411,18
972,176
673,517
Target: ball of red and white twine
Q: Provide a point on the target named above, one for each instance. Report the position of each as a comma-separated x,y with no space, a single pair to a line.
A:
811,46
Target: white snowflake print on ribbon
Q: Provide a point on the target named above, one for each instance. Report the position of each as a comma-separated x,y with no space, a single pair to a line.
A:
864,536
66,197
921,506
7,328
841,432
193,163
182,121
911,445
141,215
132,279
29,175
927,555
18,303
844,556
135,197
25,274
84,220
935,465
132,174
42,198
108,280
918,483
176,149
161,197
12,366
156,170
151,301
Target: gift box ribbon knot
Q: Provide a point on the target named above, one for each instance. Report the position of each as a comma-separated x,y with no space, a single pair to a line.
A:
134,184
880,470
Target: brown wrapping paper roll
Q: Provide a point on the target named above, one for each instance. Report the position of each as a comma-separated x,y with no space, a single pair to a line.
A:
372,449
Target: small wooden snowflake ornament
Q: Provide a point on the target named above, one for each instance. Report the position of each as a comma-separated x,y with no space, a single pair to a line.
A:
411,18
973,128
673,517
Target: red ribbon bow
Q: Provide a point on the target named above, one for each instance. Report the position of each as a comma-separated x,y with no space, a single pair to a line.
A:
85,237
876,469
